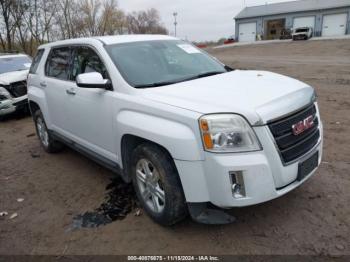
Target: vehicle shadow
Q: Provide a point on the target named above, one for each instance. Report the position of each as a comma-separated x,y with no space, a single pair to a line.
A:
15,116
273,216
275,212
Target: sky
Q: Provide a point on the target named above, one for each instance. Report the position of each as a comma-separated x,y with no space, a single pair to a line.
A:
198,20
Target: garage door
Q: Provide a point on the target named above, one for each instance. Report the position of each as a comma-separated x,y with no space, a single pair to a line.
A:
307,21
334,25
247,32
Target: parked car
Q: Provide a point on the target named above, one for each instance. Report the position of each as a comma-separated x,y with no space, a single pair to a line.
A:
190,133
202,45
14,70
230,40
302,33
286,34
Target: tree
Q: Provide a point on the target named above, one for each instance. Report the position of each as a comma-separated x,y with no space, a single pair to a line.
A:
145,22
90,10
5,9
112,20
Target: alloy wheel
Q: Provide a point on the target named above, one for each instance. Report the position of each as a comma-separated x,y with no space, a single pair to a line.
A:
42,131
150,185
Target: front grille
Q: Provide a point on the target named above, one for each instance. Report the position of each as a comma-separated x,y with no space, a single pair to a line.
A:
292,146
17,89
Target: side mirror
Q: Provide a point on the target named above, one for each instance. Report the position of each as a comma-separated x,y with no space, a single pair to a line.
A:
93,80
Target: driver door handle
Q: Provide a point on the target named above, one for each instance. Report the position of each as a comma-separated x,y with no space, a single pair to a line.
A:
71,91
43,84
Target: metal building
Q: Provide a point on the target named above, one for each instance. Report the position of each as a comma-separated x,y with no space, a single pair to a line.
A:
326,17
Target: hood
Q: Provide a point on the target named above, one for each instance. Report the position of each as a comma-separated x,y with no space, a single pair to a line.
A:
257,95
11,77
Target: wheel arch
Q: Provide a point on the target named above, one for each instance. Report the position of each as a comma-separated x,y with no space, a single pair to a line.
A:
37,100
33,107
189,172
128,144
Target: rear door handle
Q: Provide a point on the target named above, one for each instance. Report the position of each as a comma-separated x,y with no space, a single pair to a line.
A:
71,91
43,84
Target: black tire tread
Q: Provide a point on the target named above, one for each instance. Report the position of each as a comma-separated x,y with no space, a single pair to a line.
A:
54,145
175,207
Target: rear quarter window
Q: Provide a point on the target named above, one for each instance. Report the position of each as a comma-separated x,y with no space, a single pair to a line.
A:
36,61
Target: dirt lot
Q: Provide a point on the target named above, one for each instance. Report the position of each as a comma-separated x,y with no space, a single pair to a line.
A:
314,219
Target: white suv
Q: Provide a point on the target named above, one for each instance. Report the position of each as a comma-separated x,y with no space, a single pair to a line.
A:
14,70
189,132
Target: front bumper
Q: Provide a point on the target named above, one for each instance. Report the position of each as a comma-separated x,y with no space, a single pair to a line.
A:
12,105
300,37
265,176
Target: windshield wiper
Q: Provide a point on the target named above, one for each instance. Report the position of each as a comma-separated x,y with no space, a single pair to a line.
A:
204,75
165,83
228,68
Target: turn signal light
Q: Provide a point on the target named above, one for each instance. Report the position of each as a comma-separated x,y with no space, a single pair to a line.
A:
208,142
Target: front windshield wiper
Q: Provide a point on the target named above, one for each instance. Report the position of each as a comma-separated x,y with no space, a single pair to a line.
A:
228,68
203,75
165,83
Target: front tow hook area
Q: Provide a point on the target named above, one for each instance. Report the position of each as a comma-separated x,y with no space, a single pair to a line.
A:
207,214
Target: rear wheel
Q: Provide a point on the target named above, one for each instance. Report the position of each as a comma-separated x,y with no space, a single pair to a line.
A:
49,144
157,184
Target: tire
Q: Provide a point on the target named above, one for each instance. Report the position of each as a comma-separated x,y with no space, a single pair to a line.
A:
159,189
49,144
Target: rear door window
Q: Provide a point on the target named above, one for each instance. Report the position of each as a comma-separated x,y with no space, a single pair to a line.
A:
36,61
58,63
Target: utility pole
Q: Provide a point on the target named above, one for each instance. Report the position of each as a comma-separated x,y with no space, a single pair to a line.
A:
175,21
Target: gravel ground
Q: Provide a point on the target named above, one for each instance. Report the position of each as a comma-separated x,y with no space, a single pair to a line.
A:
314,219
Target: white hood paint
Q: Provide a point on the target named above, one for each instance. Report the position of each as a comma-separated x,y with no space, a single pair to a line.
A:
11,77
257,95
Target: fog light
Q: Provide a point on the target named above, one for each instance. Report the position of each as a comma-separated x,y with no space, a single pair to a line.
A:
236,189
237,182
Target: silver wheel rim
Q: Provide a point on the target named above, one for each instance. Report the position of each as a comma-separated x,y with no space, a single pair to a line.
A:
42,131
150,186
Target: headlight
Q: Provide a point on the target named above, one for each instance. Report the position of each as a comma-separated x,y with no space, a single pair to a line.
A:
4,93
227,133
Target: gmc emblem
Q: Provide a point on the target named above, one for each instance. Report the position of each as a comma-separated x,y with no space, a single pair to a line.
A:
304,125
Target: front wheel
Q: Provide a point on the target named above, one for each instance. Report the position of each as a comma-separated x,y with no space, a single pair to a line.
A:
157,184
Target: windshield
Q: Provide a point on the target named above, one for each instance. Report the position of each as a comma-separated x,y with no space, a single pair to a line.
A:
302,30
157,63
15,63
